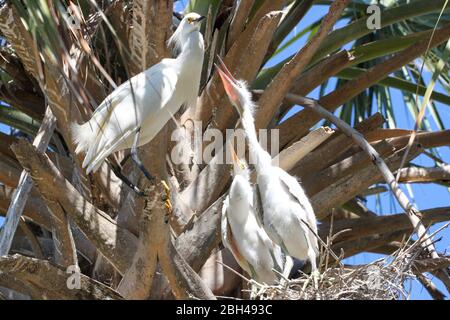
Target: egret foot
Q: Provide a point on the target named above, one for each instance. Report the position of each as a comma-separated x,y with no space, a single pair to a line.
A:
254,289
167,203
135,157
315,276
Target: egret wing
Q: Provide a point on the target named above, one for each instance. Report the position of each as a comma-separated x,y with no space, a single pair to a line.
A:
224,225
164,73
257,211
99,157
229,241
297,192
257,206
122,112
293,187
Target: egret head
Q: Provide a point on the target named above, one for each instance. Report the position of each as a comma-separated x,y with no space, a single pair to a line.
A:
191,22
236,90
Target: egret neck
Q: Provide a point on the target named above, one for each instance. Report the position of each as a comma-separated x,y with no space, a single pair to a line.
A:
190,61
260,156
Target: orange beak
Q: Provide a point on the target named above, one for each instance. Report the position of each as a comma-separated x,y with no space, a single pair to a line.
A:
234,156
229,82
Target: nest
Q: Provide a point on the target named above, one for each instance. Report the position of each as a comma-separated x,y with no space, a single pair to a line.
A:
383,279
380,280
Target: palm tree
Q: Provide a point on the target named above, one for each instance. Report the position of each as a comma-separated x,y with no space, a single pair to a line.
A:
65,229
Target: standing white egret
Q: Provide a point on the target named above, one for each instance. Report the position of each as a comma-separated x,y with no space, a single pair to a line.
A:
137,110
241,232
288,217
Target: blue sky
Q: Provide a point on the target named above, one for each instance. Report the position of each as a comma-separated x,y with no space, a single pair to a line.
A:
425,195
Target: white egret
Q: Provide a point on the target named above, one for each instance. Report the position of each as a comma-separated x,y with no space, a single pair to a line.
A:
137,110
241,232
288,217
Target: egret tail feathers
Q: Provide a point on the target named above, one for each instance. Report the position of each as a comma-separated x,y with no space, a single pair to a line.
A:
82,135
96,156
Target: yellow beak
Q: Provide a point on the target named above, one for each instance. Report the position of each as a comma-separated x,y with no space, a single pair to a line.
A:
234,156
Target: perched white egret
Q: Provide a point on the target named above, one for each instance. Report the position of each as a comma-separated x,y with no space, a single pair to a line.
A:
288,217
138,109
241,232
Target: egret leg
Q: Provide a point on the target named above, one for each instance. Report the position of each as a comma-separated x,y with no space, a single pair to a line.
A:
287,270
312,258
254,291
314,271
314,276
127,181
135,156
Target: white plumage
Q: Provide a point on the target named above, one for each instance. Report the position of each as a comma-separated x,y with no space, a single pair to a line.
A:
158,92
288,217
242,233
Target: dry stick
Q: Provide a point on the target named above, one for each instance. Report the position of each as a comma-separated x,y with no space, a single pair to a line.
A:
363,227
434,292
412,213
23,190
433,157
442,274
423,175
287,158
184,281
428,265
